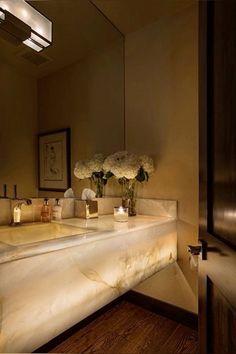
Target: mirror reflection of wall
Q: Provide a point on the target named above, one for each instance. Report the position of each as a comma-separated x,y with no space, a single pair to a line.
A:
78,82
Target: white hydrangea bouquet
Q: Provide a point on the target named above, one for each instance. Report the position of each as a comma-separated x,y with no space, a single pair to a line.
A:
93,169
128,169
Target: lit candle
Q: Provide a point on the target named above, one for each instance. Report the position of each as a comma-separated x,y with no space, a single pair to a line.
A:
121,214
16,215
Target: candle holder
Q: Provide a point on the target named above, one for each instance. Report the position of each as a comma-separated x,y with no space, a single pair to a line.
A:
121,214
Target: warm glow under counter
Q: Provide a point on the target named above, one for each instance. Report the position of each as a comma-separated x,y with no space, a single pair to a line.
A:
48,286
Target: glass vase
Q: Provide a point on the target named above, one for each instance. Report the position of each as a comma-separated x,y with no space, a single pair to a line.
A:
98,183
99,187
128,198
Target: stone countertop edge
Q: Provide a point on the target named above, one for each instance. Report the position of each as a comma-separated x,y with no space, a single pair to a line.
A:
108,228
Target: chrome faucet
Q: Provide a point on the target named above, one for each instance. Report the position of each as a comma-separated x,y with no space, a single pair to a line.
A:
16,217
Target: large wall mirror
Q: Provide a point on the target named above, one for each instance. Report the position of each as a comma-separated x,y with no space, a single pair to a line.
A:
76,83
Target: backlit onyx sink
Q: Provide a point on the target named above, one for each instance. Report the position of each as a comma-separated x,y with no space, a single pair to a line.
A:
38,232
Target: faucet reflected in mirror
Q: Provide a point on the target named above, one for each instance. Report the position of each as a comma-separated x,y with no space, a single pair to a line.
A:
4,196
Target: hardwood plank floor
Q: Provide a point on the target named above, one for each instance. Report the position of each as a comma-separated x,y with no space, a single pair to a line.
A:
129,329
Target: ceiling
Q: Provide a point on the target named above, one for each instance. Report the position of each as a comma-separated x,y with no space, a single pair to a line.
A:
78,28
131,15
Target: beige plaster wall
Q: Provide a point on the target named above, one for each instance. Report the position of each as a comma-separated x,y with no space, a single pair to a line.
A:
162,116
88,97
18,118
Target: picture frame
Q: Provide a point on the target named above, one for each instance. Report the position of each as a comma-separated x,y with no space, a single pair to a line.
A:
54,161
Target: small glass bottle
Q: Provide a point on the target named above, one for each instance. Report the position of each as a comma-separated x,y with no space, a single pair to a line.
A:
46,211
57,210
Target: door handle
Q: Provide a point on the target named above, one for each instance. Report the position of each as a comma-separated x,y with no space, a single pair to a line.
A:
197,250
194,250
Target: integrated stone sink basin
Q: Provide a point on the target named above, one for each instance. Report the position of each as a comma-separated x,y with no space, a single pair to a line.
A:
37,232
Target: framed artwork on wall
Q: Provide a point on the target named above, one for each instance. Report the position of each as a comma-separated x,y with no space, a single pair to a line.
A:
54,161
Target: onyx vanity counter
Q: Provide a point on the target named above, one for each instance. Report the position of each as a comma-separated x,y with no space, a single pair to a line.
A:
54,283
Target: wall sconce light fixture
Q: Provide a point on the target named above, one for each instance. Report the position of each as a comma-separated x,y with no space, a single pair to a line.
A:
21,23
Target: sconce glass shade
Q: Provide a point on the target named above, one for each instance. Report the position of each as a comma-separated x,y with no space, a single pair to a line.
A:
35,37
36,42
2,16
33,45
41,26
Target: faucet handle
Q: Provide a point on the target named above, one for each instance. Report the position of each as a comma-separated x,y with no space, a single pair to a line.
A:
28,201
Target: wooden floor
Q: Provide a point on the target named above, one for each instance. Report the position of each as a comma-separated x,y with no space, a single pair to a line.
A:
127,328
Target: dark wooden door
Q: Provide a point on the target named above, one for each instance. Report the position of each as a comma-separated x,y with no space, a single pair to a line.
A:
217,108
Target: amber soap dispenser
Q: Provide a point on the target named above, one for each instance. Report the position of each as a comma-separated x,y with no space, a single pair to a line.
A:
46,211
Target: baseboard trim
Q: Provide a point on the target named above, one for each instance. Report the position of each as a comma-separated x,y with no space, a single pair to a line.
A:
172,312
